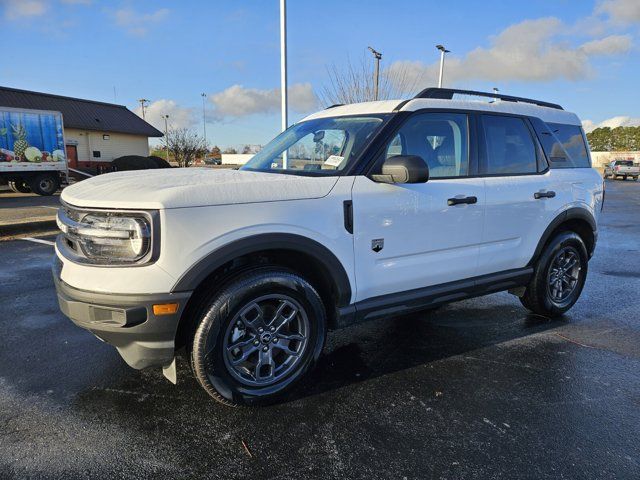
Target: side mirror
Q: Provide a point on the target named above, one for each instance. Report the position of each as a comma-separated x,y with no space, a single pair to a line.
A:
403,169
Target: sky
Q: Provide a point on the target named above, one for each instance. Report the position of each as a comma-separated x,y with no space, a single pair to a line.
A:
582,54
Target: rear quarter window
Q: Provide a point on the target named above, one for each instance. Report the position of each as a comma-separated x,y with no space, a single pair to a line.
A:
564,145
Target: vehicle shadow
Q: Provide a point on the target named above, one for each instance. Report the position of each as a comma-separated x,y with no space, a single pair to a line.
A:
386,346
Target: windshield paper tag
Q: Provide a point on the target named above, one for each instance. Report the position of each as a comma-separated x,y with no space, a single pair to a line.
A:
334,160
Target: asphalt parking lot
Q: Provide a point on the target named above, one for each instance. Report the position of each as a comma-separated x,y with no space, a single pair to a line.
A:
478,389
26,212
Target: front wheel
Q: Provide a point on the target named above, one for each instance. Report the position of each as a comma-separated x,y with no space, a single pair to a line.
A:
635,179
19,186
559,276
257,337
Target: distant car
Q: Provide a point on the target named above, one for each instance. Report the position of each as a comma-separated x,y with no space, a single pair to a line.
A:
213,160
621,168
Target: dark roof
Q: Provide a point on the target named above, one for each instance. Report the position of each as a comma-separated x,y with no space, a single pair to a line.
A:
79,113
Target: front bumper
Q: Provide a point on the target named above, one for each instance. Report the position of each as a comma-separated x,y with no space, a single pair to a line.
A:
125,321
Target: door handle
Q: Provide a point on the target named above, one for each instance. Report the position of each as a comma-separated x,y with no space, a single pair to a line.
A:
458,201
539,195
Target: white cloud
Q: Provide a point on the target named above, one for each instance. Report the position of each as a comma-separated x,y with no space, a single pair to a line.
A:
179,117
620,11
138,23
610,45
15,9
238,101
613,122
529,51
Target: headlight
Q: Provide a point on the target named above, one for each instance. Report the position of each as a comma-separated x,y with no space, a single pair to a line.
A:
107,237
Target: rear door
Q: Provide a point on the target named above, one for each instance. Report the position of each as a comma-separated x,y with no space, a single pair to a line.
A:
409,236
522,194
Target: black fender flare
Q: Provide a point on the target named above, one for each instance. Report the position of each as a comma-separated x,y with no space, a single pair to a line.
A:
264,242
574,213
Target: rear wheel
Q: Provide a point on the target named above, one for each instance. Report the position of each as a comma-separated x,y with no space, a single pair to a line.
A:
45,184
624,177
19,186
258,337
559,276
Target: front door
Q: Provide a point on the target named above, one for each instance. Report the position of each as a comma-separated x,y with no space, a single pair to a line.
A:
409,236
72,156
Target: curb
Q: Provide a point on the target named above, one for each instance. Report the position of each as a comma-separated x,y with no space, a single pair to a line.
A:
12,229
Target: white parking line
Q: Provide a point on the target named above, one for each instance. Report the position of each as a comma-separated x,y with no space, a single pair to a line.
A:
49,206
38,240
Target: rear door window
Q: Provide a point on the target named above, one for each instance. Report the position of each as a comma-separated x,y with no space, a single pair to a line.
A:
509,146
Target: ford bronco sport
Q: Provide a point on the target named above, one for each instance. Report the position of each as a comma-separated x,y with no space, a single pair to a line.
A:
356,212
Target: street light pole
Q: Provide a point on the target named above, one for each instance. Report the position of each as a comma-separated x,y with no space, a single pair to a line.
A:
204,119
283,72
442,53
143,104
377,56
166,135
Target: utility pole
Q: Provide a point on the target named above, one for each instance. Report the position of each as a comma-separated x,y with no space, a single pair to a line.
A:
376,76
443,51
204,119
143,104
166,135
283,72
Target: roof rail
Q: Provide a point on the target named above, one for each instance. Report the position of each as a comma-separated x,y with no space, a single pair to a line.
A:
448,93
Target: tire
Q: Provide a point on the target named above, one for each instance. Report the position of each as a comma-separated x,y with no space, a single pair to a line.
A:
624,177
541,295
19,186
251,375
635,179
45,184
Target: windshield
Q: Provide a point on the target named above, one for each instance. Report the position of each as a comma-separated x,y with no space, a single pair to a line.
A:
323,146
625,163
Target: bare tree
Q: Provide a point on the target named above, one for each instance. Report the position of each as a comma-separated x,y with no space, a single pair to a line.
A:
354,83
185,146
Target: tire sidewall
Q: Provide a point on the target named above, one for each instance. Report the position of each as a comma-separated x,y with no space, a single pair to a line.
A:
564,239
216,317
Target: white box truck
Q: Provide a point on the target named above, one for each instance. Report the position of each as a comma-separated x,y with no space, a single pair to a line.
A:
32,150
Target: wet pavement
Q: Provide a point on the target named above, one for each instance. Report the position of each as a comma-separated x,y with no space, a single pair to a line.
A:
478,389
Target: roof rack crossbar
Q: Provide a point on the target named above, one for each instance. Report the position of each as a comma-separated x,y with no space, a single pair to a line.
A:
448,93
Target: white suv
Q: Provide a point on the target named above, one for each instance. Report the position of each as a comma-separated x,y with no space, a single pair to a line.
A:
356,212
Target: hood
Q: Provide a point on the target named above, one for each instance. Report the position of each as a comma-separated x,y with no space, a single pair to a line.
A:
192,187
